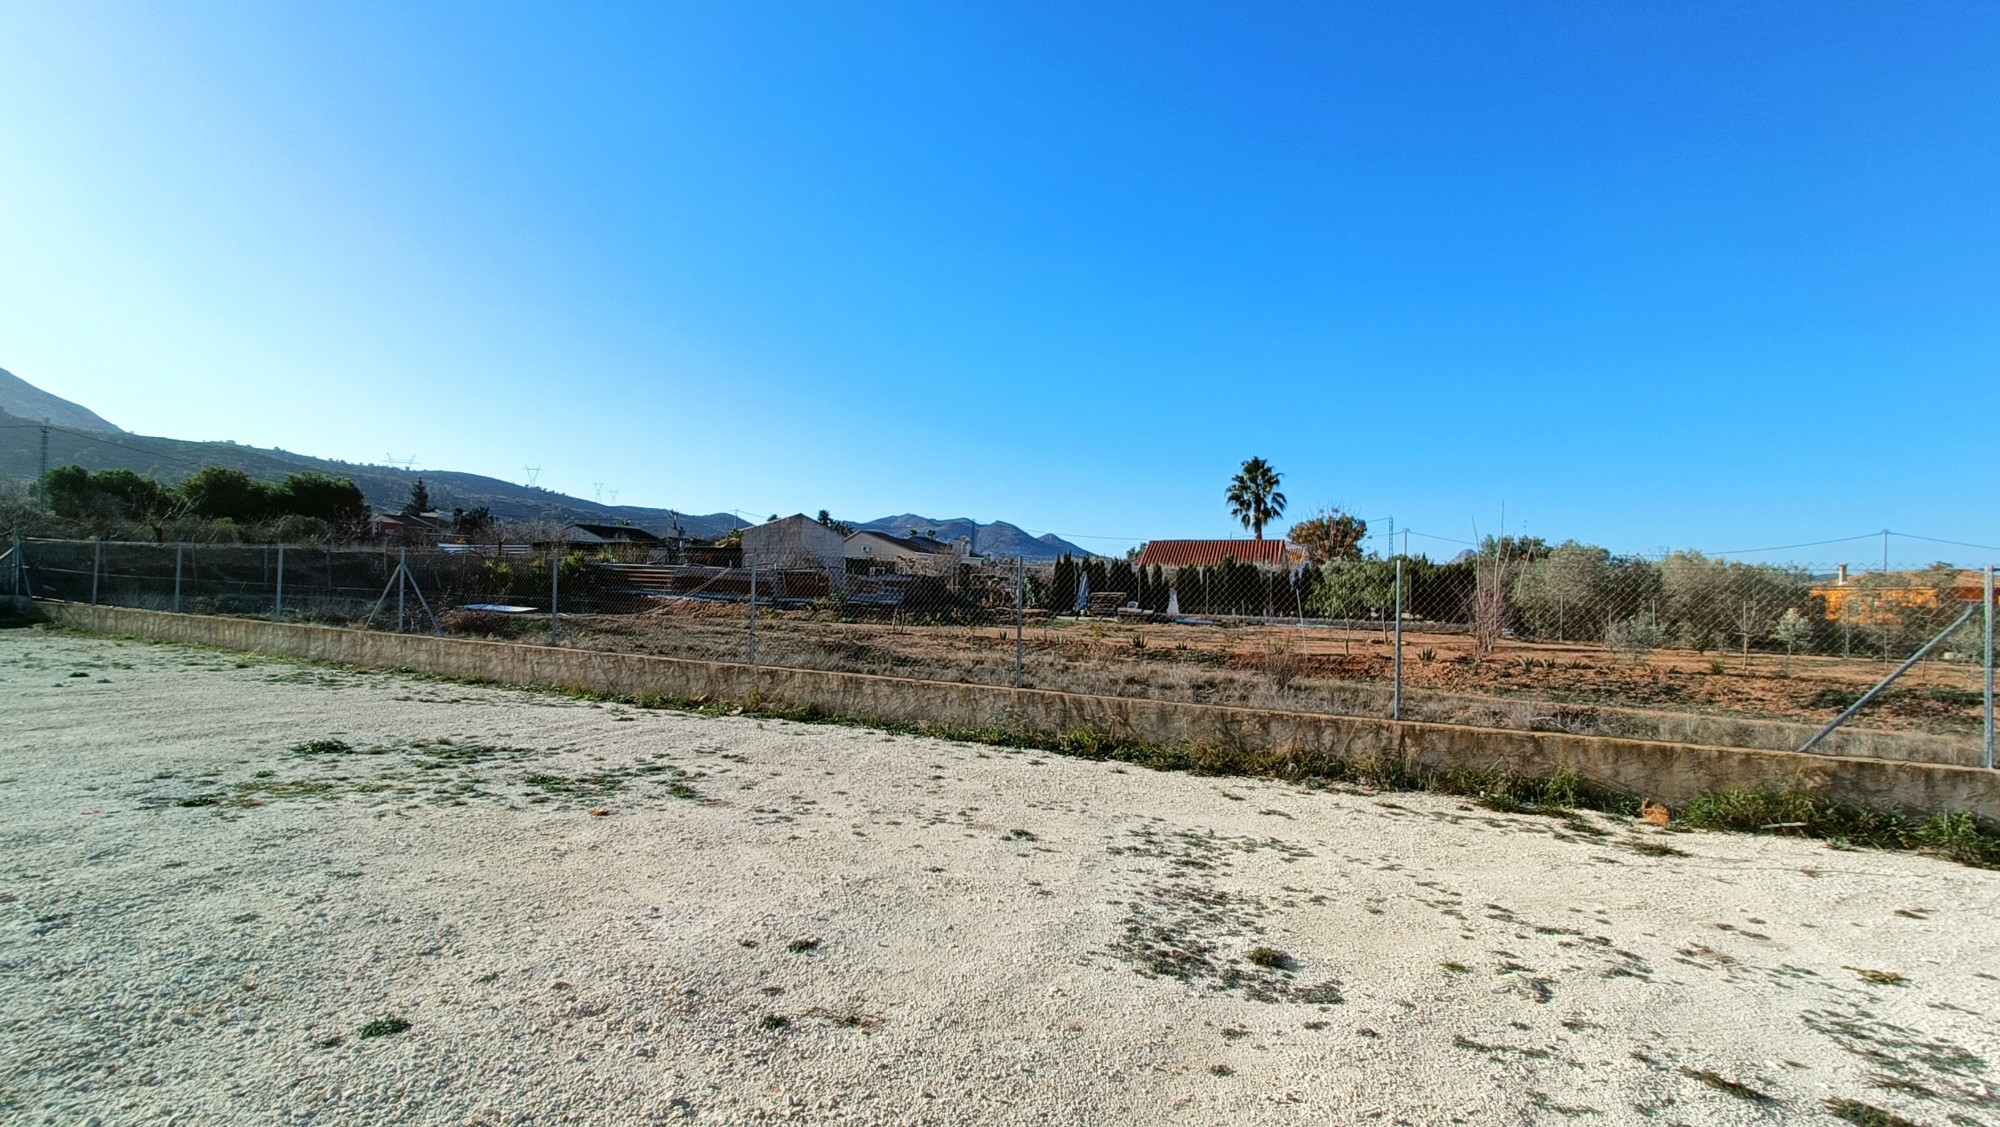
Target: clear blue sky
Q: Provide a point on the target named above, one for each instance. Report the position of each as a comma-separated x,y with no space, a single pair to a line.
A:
1653,275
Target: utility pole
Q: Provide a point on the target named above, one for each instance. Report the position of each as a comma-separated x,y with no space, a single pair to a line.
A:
1396,700
1020,599
1989,666
41,482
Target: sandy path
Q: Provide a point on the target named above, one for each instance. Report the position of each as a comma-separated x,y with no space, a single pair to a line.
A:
196,923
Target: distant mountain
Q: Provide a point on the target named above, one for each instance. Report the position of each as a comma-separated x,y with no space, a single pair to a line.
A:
79,437
996,539
20,398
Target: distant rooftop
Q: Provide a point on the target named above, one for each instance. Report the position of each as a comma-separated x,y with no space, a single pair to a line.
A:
910,543
1210,553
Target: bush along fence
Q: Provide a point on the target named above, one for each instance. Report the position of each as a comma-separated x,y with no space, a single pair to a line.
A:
1685,647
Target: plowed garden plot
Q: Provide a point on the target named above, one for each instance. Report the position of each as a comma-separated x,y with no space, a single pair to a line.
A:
243,891
1932,714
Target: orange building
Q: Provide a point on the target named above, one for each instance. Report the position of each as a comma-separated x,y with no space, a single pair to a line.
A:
1883,598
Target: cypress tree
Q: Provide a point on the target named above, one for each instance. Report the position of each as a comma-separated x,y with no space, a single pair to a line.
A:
1062,586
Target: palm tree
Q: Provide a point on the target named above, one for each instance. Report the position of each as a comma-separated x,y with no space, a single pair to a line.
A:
1253,496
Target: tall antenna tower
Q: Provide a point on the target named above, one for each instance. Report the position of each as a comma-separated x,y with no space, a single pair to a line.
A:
597,491
614,496
533,472
405,463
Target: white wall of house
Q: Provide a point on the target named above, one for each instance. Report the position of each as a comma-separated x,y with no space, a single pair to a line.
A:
795,541
892,553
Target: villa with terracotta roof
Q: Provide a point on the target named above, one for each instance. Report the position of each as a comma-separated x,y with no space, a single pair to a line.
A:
1210,553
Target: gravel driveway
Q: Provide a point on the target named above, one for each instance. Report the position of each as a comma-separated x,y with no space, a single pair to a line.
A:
248,891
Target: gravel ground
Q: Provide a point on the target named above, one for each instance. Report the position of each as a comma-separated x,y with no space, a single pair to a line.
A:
240,890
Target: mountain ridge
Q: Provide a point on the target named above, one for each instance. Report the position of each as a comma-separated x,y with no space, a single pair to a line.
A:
99,445
24,400
997,538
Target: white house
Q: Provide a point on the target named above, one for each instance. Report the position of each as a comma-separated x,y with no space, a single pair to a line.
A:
796,541
908,555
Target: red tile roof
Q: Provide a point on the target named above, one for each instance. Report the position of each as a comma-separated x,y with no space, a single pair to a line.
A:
1209,553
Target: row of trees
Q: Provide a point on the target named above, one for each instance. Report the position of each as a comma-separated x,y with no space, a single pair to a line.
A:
1582,592
1354,588
304,506
1565,592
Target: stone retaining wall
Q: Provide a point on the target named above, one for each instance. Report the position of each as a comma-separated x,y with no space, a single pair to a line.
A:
1667,772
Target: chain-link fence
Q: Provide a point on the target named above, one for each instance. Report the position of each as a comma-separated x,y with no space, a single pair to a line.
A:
1681,647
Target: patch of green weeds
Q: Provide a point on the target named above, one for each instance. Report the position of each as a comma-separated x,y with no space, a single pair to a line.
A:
801,946
1903,1084
384,1027
323,747
1878,977
773,1022
1957,836
1866,1115
567,785
1270,958
1654,849
1727,1086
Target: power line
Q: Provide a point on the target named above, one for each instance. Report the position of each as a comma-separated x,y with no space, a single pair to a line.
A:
87,437
1445,539
1789,547
1953,543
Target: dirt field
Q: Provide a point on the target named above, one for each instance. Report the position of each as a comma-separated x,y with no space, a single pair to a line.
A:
242,891
1764,700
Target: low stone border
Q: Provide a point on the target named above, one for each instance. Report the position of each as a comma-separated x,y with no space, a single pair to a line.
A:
1666,772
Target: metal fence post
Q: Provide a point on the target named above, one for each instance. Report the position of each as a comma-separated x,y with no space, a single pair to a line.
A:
16,572
96,569
1396,697
555,588
1020,607
753,612
1989,665
180,550
278,603
402,583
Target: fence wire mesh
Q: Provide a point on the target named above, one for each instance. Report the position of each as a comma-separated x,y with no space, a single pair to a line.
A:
1681,647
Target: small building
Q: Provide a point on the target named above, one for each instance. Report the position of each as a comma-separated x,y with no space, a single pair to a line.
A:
906,555
1171,554
796,541
1886,598
408,527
